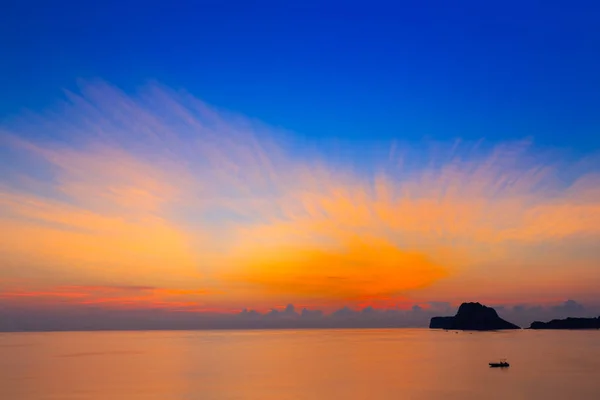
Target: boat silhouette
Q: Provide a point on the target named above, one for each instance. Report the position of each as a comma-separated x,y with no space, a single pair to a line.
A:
501,364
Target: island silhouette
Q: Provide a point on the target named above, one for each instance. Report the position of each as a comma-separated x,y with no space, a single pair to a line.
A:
472,317
568,323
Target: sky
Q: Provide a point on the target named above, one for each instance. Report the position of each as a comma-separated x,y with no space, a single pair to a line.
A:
197,163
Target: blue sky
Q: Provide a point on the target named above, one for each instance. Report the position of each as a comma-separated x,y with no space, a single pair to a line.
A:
215,156
329,71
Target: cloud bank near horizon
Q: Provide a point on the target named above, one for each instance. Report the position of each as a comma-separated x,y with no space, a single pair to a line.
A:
159,190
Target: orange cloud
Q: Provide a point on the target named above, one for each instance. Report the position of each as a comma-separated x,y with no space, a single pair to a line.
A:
358,268
48,237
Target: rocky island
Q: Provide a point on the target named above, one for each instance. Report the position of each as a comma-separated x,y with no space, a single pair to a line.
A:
472,317
568,323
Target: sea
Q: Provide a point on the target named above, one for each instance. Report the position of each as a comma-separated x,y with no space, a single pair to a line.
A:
300,364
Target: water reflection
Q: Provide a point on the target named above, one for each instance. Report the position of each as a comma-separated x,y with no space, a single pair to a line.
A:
305,364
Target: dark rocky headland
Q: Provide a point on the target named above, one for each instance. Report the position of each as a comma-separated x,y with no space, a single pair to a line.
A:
568,323
472,317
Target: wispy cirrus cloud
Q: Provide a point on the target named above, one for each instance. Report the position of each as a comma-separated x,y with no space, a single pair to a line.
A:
158,189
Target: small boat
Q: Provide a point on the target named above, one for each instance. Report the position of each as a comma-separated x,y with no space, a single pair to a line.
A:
501,364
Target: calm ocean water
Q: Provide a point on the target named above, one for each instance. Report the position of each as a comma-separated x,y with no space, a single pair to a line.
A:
302,364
